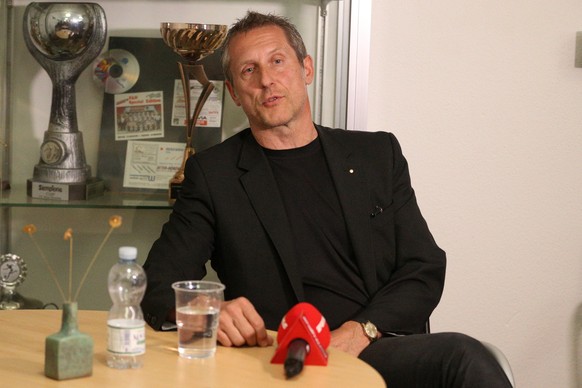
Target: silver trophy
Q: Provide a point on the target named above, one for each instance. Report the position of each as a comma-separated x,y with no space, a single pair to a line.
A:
192,41
64,38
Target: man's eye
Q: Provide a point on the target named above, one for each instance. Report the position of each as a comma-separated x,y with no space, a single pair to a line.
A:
278,61
248,70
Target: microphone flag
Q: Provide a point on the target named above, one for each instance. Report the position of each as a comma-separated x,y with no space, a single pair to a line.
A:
304,322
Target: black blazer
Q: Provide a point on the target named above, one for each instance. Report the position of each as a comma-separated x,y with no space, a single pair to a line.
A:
230,212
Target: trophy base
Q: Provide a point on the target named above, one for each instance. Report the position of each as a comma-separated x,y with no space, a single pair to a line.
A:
174,191
14,301
93,187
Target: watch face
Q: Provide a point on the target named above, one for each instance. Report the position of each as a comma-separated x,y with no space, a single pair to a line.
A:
12,270
52,152
371,330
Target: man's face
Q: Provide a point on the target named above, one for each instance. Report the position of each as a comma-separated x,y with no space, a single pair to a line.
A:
268,81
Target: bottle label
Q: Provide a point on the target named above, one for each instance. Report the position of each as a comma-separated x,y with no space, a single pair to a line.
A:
126,336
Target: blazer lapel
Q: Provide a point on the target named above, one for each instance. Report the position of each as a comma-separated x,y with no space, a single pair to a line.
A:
353,193
261,187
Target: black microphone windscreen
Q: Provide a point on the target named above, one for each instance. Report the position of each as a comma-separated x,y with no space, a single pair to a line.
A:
296,352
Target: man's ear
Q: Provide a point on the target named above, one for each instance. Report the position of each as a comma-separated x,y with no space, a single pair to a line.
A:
308,69
230,88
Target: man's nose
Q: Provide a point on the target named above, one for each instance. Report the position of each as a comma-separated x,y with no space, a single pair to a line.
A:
266,76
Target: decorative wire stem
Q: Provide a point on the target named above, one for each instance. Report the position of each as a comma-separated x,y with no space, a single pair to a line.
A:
51,271
114,222
92,262
70,269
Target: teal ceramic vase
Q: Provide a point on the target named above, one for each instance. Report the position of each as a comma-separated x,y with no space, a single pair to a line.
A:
68,353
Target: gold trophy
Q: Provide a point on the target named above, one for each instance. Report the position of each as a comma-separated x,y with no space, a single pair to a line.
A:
64,38
192,42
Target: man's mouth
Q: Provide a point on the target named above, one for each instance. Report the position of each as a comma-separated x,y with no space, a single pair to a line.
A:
271,100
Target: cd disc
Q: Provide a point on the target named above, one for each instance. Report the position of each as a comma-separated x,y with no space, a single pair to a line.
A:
117,70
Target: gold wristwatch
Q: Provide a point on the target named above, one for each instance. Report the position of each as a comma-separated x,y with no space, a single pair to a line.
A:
370,330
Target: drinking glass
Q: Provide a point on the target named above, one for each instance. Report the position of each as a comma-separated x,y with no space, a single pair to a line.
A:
197,310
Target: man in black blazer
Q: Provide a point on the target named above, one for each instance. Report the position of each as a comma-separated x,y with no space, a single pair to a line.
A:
288,211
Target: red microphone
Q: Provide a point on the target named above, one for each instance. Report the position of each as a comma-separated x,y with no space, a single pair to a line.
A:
303,338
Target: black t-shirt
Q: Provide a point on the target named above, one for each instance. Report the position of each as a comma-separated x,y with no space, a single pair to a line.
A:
331,278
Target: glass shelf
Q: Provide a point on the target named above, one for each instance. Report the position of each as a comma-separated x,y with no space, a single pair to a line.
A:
17,197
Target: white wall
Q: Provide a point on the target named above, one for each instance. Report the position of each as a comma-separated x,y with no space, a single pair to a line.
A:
487,104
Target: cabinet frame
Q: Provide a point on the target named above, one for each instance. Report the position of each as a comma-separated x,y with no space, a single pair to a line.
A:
351,69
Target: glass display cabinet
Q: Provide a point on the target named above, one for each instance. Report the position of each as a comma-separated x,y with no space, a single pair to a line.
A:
336,33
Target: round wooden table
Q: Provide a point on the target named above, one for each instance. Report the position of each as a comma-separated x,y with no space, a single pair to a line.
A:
23,332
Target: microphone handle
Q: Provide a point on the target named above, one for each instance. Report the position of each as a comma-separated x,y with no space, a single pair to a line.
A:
296,352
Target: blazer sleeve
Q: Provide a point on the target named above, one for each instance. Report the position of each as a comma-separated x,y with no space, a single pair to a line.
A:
412,288
183,248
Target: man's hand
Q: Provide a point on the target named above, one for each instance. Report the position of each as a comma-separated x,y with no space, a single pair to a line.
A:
350,338
240,324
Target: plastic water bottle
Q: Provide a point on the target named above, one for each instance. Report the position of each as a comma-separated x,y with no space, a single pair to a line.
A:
125,323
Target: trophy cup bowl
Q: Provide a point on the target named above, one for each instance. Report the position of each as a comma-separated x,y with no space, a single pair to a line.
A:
192,42
61,31
64,38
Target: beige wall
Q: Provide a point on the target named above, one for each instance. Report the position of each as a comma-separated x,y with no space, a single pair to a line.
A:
487,104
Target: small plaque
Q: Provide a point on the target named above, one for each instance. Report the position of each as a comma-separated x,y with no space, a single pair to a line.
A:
65,191
175,189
